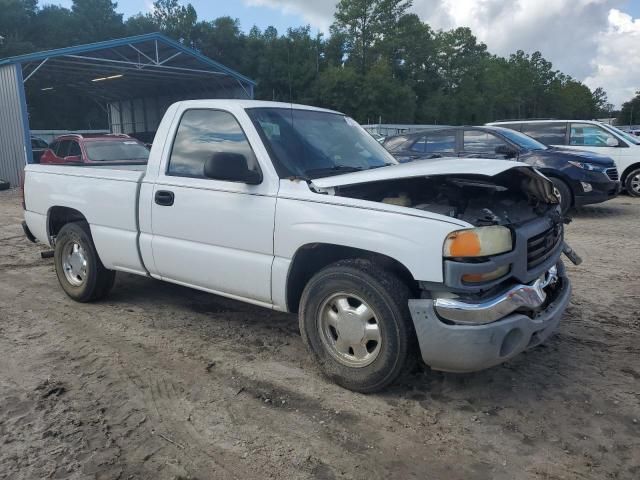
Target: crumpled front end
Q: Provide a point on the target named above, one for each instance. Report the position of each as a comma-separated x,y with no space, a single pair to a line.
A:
471,335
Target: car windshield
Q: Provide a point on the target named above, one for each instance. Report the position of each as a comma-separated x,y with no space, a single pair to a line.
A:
522,140
628,137
116,151
313,144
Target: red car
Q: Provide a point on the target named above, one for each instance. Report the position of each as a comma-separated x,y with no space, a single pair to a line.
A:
95,149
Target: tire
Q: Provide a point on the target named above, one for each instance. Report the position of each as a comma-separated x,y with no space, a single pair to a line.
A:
80,272
566,198
4,185
632,183
386,296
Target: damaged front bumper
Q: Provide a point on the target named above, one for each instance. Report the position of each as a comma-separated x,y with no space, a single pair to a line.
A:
455,337
529,297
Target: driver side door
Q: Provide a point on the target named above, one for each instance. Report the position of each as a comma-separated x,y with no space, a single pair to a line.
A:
593,138
208,233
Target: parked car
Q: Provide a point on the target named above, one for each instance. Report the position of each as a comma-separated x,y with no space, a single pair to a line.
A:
95,149
379,138
580,177
38,146
299,209
592,136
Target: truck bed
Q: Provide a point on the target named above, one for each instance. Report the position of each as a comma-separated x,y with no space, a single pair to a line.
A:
113,219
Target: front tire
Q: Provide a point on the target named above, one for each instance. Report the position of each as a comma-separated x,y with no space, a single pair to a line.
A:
632,183
354,318
80,272
565,194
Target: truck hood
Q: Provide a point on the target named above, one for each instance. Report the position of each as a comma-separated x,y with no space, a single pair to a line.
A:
420,168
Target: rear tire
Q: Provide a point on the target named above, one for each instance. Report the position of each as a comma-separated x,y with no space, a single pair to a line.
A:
355,320
566,198
632,183
80,272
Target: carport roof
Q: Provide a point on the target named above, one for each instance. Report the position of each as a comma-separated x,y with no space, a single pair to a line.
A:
124,68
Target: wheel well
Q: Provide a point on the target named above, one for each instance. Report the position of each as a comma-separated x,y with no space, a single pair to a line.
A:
60,216
563,180
629,169
311,258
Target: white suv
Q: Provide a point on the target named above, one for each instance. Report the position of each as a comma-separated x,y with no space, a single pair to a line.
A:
589,135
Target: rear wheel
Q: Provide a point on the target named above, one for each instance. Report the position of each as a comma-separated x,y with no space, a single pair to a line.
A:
632,183
355,320
565,194
80,272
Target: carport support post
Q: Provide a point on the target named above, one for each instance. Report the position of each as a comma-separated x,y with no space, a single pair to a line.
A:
28,153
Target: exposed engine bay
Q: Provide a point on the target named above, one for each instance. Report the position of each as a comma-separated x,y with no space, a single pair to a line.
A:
512,197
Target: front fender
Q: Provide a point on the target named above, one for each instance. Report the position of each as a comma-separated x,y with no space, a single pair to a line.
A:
415,242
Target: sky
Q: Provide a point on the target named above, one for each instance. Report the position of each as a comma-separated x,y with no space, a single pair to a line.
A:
595,41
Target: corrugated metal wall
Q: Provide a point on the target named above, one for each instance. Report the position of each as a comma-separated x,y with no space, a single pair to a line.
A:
13,133
144,114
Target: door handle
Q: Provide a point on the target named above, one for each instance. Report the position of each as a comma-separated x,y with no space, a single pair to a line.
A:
164,198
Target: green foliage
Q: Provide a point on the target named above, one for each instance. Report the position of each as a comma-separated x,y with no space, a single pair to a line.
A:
630,112
379,61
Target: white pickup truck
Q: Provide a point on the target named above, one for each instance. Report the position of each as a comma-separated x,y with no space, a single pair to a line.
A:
298,209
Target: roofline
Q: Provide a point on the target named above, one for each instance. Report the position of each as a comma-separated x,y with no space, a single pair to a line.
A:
118,42
539,120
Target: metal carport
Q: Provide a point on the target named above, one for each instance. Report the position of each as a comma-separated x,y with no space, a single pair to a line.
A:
133,79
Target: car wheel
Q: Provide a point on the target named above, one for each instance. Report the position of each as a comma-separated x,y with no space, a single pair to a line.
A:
80,272
565,194
354,318
632,183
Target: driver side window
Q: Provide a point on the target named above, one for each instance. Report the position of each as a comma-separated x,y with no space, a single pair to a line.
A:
203,133
477,141
585,134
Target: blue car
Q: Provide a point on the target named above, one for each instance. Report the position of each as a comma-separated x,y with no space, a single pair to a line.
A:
581,177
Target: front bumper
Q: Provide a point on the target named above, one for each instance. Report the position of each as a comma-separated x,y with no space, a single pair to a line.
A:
530,297
467,348
603,187
601,192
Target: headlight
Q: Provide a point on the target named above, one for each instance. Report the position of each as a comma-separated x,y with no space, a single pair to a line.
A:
478,242
587,166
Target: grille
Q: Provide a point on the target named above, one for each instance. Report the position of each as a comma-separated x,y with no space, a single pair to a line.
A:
540,247
612,173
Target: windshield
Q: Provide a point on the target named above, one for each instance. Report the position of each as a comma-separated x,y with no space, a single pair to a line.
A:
629,138
313,144
116,151
522,140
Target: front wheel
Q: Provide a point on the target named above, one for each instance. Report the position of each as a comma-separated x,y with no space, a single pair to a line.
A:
354,318
80,272
632,183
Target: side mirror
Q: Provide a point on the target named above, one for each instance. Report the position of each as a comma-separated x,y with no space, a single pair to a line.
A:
232,167
612,142
506,150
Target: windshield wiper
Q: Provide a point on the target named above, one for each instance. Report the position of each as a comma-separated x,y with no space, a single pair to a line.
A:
336,169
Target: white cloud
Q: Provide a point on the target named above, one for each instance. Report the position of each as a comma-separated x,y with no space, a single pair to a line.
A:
591,40
318,13
616,64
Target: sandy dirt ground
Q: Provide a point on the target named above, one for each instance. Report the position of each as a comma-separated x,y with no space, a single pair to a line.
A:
163,382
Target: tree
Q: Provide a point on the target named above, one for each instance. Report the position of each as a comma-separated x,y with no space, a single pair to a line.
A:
365,22
175,20
221,40
15,20
630,112
95,20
